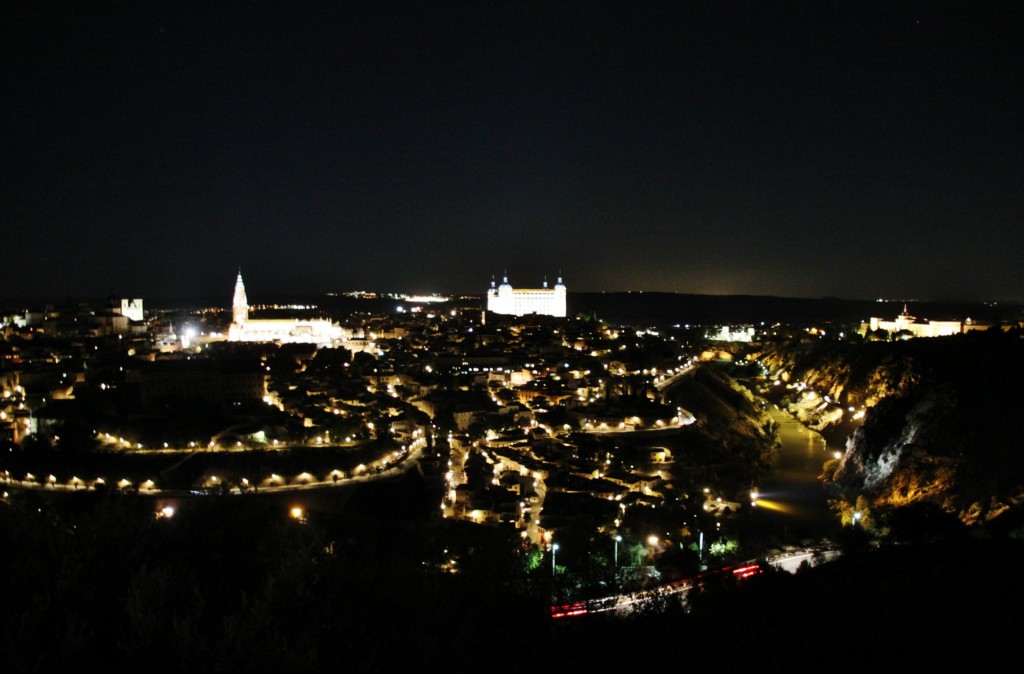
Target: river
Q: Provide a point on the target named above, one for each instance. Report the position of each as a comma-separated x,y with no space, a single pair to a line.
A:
793,499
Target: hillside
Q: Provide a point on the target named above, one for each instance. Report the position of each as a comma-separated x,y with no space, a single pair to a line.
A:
940,606
730,423
939,421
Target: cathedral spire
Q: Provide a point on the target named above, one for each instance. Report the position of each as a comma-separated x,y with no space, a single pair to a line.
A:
239,303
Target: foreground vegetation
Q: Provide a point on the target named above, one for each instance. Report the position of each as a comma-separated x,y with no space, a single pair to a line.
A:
235,584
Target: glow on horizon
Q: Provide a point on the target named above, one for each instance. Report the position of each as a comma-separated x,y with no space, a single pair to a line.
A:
425,298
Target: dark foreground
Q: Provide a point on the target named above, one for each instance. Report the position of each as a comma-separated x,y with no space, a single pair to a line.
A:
236,585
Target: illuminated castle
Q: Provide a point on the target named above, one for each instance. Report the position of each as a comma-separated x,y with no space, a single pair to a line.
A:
505,299
319,331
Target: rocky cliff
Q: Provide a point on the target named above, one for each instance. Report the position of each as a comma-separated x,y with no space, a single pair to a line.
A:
731,430
932,420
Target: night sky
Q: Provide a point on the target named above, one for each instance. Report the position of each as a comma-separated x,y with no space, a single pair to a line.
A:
838,149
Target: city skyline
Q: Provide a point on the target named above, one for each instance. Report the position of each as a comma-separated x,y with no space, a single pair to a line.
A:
854,152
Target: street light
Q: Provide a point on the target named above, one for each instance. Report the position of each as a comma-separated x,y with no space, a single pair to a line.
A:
856,518
617,540
554,549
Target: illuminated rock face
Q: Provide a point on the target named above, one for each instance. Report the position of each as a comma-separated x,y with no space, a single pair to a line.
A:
505,299
921,420
321,332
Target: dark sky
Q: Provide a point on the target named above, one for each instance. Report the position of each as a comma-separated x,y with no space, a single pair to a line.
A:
150,149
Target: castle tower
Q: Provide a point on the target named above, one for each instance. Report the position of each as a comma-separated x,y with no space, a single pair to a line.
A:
505,289
239,304
559,303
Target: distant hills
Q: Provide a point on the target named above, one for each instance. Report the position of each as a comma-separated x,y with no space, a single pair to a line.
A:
648,308
672,308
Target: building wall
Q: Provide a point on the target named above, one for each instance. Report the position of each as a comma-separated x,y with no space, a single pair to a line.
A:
287,331
208,382
132,309
544,301
918,329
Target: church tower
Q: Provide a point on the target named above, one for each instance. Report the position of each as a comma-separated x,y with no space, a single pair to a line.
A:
239,304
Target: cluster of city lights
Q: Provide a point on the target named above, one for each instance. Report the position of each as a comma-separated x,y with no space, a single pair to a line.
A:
810,395
242,485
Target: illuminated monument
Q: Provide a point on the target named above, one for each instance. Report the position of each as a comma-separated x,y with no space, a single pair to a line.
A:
319,331
505,299
916,327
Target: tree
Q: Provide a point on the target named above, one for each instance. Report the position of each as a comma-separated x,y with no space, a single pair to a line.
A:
76,437
923,520
878,335
37,442
506,395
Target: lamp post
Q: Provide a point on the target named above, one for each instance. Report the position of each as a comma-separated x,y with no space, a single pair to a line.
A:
856,518
554,549
617,540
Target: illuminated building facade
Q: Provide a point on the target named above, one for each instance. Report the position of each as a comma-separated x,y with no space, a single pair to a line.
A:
319,331
916,327
505,299
132,309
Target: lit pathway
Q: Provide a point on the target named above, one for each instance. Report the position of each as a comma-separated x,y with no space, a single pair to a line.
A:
148,487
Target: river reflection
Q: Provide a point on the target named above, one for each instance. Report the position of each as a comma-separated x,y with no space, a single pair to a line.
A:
795,500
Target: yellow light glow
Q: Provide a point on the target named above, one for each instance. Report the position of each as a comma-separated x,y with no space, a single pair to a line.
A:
774,506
